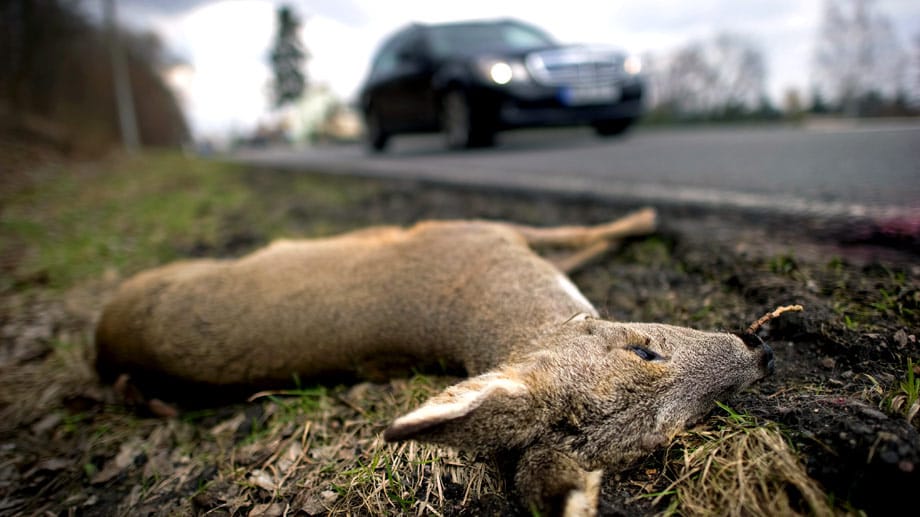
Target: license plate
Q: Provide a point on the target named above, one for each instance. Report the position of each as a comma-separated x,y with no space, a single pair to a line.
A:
581,95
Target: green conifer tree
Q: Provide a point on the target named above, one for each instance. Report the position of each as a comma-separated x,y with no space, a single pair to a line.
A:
288,56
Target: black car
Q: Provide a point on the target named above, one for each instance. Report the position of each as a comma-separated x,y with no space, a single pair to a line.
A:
472,79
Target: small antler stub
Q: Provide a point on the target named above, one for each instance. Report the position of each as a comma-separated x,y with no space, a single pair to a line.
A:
772,315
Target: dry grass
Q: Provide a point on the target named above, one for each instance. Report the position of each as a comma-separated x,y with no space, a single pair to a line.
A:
310,451
740,467
327,456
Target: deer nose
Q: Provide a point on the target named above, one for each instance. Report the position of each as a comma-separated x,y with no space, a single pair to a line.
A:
753,342
766,360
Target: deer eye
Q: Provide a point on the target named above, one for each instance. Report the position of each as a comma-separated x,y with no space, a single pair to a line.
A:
645,353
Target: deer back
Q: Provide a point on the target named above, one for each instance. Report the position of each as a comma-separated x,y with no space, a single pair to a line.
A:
464,293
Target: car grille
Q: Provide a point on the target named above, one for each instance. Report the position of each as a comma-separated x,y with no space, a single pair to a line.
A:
575,67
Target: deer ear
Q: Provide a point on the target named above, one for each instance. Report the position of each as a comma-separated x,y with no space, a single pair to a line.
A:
482,412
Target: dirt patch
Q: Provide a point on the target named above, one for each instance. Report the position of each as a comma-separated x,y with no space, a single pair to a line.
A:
837,405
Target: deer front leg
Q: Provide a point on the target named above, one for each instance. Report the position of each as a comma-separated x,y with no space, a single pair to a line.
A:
550,482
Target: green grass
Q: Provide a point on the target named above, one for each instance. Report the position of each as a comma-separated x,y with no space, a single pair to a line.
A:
875,298
743,420
910,386
654,250
78,222
784,264
902,398
905,399
129,214
740,465
379,471
300,402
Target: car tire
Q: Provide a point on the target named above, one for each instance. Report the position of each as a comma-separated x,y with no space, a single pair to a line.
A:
461,126
614,127
376,138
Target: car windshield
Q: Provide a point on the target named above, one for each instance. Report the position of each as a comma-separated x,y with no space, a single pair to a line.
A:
475,38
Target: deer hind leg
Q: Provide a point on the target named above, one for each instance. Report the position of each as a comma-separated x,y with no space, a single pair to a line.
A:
574,260
640,222
587,243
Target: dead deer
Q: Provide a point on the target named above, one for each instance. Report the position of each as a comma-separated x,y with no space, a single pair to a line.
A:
561,390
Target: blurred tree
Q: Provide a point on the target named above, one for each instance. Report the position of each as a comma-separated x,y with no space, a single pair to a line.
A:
858,60
913,74
288,56
765,110
56,81
687,81
818,104
792,102
721,77
793,108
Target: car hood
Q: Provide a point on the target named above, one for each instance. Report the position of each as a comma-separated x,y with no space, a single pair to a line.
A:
556,53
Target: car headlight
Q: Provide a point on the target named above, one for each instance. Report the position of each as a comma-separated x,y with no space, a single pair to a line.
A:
632,65
502,72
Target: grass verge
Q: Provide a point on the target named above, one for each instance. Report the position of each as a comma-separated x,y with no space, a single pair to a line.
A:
741,466
69,233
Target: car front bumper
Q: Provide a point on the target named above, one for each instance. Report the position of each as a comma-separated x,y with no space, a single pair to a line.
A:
532,105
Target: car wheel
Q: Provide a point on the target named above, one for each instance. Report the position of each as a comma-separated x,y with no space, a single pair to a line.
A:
613,127
460,125
375,137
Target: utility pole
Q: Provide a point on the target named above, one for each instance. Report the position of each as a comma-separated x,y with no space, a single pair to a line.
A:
124,99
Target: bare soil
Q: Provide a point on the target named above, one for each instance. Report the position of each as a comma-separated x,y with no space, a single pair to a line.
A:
67,447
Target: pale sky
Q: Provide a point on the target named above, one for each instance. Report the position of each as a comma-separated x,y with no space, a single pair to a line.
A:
227,42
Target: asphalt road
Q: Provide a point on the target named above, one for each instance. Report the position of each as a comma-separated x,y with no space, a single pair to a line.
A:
837,169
